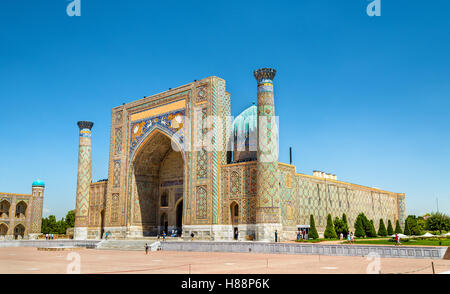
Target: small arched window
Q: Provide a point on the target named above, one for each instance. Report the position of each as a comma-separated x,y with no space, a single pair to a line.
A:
164,200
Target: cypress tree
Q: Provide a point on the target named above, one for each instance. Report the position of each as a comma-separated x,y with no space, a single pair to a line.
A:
382,229
366,225
312,230
398,228
407,231
373,232
346,229
390,230
330,232
359,228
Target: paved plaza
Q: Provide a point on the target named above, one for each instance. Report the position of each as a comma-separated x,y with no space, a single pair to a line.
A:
29,260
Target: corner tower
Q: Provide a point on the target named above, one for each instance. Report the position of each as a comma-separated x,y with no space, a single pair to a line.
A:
84,179
37,201
268,213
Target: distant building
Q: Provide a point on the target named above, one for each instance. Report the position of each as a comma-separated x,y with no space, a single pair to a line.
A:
21,214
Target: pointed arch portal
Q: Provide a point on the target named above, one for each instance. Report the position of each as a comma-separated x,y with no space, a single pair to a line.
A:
158,177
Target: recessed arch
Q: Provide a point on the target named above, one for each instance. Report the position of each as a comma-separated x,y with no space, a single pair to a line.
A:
5,207
19,231
234,213
21,209
158,173
3,229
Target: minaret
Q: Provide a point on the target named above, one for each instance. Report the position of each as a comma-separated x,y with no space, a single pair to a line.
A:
37,199
84,180
268,213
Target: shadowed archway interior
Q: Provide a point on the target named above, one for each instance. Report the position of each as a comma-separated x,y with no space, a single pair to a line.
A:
158,185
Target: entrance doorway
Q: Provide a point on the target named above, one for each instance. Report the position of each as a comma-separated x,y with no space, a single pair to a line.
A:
179,218
159,176
164,223
234,210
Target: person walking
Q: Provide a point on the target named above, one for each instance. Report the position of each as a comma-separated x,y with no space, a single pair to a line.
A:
192,236
276,236
341,236
298,235
352,238
146,249
164,236
349,239
397,239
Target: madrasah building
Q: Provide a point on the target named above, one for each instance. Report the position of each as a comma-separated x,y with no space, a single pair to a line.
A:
177,162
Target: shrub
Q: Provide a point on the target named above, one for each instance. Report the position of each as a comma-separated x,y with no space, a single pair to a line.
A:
382,229
330,232
312,230
390,230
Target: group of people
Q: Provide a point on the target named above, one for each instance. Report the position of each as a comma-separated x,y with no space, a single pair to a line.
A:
49,237
163,235
350,237
302,235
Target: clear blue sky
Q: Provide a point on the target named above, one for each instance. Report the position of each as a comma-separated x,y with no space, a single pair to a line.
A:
367,99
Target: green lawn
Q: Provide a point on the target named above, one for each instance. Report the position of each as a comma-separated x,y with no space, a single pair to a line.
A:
431,242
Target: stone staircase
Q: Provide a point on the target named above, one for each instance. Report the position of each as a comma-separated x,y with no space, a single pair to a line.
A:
135,245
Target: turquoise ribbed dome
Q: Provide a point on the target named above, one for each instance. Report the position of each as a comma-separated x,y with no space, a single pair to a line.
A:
246,122
38,183
245,127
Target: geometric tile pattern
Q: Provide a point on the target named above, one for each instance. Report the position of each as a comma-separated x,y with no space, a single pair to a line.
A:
84,178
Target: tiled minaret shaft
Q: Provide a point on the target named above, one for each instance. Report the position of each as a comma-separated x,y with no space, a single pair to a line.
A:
84,180
268,217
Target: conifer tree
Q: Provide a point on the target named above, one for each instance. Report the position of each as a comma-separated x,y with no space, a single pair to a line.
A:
390,230
312,230
382,229
346,229
407,231
373,232
398,228
359,228
330,232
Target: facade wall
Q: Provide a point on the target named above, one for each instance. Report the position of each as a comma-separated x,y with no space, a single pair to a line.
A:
303,195
11,217
97,205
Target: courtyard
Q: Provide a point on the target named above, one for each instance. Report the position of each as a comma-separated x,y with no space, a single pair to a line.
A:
29,260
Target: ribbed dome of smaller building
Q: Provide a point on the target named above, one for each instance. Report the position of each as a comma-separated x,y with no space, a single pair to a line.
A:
38,183
245,127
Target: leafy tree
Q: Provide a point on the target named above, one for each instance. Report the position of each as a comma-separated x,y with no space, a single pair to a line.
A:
70,219
346,229
330,233
372,232
312,230
407,231
413,226
51,226
382,229
390,230
398,228
438,221
359,227
421,223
